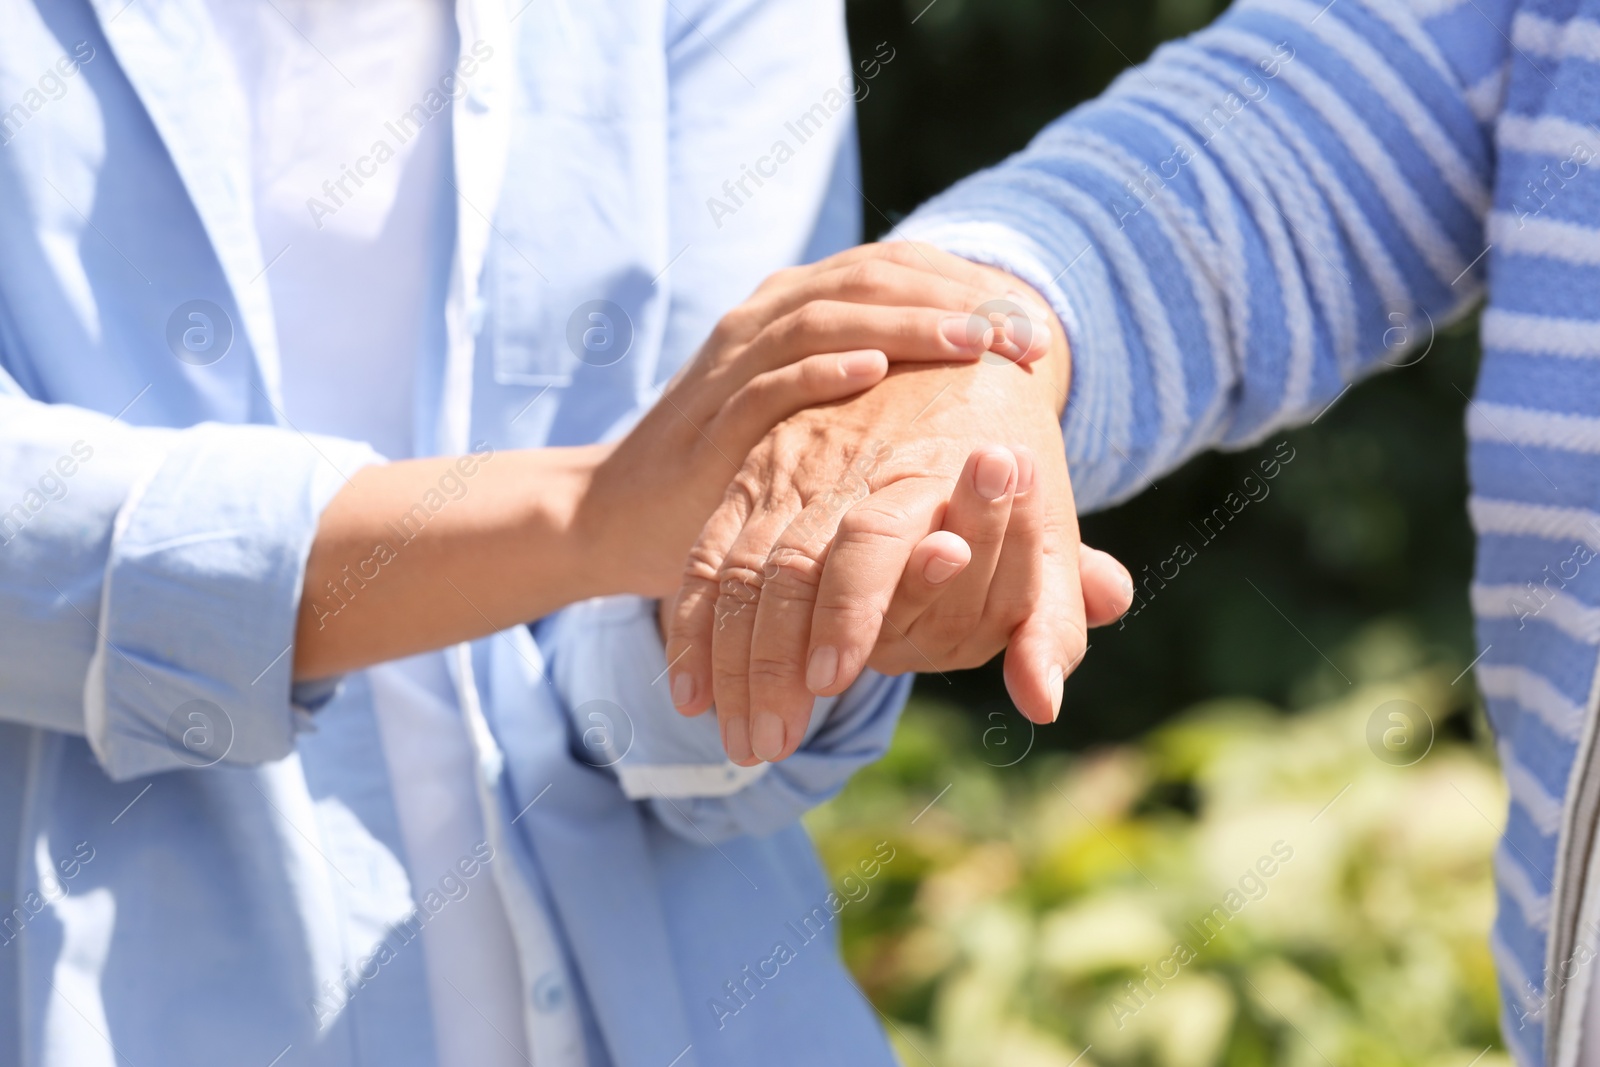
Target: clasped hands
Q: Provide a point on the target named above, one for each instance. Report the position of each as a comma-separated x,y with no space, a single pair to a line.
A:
921,525
875,438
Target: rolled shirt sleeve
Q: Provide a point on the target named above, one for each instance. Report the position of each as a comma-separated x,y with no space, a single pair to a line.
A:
150,581
608,666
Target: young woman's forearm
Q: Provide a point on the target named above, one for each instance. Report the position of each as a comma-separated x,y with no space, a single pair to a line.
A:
422,554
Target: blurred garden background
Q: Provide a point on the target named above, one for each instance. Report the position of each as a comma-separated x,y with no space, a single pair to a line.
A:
1036,874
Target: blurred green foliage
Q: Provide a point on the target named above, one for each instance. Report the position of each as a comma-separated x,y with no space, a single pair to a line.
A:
1332,907
1368,522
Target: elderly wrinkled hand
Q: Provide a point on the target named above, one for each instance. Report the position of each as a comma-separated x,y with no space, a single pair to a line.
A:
923,525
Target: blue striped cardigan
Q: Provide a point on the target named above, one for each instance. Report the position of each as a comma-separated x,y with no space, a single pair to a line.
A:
1257,216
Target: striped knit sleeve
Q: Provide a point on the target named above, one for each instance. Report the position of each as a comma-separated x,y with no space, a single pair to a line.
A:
1243,225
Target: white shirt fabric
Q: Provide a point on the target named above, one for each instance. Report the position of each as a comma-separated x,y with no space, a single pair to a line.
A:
321,78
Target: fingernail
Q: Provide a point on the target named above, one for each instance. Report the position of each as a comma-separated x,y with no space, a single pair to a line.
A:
1038,321
1013,336
736,738
992,476
1025,468
822,668
766,736
682,690
939,570
862,364
957,329
1058,685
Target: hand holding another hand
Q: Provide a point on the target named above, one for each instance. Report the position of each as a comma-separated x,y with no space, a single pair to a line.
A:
805,338
841,542
537,529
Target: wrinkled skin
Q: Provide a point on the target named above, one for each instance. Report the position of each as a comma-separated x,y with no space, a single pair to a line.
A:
803,569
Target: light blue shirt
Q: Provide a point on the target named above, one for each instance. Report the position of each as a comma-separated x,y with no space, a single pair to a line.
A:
200,862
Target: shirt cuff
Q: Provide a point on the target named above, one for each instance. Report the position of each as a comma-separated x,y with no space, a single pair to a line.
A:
194,656
607,663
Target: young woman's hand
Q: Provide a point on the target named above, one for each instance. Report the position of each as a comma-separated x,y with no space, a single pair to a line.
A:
807,337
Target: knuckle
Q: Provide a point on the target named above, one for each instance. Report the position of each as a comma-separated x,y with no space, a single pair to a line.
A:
745,491
772,671
903,252
849,612
875,519
814,374
727,682
771,340
988,535
865,276
784,277
736,577
748,399
700,568
791,574
738,591
814,317
850,255
726,331
779,281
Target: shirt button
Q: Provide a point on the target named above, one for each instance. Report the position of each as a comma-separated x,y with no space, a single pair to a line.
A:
549,992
